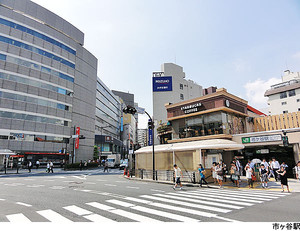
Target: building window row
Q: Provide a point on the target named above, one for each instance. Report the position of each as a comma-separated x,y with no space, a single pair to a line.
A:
106,110
36,50
181,96
35,66
181,86
30,137
290,93
283,103
29,99
36,34
41,119
107,102
34,83
107,94
107,117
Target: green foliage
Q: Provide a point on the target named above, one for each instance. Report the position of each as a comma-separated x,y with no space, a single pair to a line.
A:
96,153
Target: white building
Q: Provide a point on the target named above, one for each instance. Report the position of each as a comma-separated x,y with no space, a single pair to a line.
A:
170,86
142,137
285,97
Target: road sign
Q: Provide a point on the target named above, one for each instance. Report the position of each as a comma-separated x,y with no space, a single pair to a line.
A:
140,110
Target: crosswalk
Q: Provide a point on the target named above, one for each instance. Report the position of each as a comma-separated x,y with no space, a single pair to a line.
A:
175,206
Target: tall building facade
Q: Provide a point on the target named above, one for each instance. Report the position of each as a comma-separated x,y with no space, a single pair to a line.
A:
285,97
48,83
108,121
170,86
142,137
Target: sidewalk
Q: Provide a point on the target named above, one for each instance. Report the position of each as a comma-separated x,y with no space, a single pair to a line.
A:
294,184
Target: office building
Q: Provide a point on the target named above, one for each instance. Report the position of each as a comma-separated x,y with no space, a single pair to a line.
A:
285,97
48,84
142,137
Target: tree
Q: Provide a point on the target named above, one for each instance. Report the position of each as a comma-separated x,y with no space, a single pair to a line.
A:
96,152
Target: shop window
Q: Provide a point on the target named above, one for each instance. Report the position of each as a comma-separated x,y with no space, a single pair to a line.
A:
283,95
283,103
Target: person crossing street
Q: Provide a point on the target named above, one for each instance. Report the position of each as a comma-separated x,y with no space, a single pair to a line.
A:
177,175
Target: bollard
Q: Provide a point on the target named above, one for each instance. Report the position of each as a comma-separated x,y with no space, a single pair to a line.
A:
194,178
142,174
156,174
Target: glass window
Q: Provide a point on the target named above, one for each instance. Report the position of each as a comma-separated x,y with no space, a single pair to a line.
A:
283,95
181,97
283,103
181,86
298,100
292,93
284,112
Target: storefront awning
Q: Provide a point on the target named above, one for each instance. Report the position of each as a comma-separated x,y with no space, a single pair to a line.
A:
6,152
219,144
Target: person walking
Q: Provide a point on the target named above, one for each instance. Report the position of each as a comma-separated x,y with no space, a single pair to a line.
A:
283,178
219,171
284,165
80,165
51,166
105,166
213,171
202,176
224,169
249,172
263,176
29,166
297,170
48,167
37,164
271,172
234,173
275,166
177,175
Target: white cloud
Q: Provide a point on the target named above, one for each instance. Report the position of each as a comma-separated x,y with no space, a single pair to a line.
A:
255,91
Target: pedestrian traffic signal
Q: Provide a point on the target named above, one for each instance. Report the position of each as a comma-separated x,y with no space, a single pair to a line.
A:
129,110
285,141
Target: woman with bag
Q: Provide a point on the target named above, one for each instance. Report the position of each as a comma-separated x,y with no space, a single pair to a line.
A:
249,175
219,171
263,176
202,176
234,176
283,178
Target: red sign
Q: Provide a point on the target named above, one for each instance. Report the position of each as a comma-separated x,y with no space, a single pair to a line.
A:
77,139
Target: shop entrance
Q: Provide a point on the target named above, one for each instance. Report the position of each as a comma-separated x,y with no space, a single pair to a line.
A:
281,154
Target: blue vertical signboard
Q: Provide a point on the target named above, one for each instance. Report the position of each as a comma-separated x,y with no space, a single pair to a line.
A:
162,83
150,141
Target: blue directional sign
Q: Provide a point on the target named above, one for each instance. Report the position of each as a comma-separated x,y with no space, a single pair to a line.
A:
162,83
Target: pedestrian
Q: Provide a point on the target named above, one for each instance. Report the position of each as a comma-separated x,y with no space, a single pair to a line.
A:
263,176
234,174
29,166
85,164
177,175
37,164
224,169
284,165
283,178
80,165
297,170
238,167
48,167
202,176
265,163
103,162
249,172
271,172
213,171
51,166
275,166
105,166
219,171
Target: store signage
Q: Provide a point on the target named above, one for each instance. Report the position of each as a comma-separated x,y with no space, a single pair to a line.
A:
191,108
150,141
162,83
262,151
261,139
77,139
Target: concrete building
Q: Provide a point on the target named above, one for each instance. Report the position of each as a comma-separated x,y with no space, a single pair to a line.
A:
108,121
170,86
48,83
142,137
285,97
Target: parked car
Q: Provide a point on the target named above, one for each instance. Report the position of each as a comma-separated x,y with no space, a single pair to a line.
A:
124,164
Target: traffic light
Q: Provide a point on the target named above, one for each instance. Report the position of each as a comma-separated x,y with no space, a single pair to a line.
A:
285,141
129,110
81,137
150,125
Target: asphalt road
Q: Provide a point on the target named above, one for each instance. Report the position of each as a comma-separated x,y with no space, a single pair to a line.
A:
97,196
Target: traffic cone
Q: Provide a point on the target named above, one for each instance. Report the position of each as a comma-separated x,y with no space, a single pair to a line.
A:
124,172
128,174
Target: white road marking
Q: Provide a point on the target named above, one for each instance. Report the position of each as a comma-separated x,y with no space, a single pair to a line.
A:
24,204
90,183
53,216
35,186
29,179
253,192
85,190
83,177
178,197
154,212
97,218
57,187
2,199
68,181
192,195
156,190
102,180
174,208
123,181
77,210
132,187
188,204
18,218
110,185
100,206
49,180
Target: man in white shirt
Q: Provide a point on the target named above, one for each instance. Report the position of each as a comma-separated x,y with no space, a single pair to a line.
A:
265,163
177,175
275,166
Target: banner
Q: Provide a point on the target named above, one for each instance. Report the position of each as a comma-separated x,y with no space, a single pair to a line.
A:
162,83
77,139
150,141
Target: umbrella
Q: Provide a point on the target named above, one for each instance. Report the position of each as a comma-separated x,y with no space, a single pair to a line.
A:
256,161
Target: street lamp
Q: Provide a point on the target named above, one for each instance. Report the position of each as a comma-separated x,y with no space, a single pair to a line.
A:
131,110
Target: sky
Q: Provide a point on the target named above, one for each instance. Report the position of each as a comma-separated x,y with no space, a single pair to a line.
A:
243,46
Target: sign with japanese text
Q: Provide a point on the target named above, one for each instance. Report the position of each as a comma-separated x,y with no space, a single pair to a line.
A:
261,139
77,139
162,83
